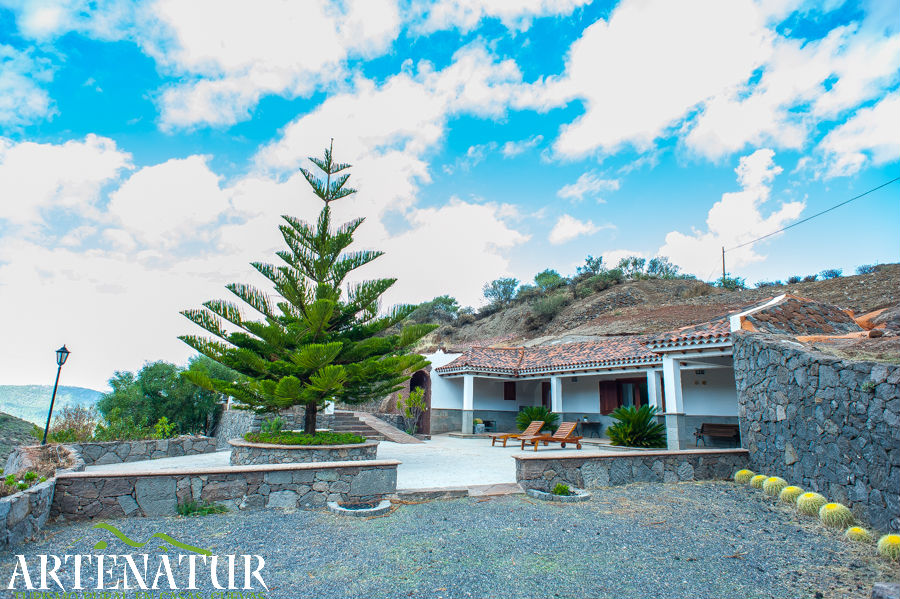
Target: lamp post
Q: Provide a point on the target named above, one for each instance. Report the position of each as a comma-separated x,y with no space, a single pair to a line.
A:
61,355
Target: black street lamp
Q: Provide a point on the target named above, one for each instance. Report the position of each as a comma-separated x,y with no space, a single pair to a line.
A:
61,355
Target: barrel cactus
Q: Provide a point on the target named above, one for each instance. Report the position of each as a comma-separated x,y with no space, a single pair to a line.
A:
757,481
858,534
835,515
810,503
744,476
790,494
889,546
773,485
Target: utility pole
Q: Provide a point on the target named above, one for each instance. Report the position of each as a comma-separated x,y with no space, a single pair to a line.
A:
723,266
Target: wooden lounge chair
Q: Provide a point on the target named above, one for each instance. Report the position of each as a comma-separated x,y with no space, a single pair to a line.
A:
533,429
564,434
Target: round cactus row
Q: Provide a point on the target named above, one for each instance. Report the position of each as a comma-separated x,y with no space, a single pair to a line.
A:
758,481
889,547
773,485
832,515
790,494
744,476
835,515
858,534
810,503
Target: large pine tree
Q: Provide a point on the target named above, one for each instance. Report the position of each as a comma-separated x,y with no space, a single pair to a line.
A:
315,342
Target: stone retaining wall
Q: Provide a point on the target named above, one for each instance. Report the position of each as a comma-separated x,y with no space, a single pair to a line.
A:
24,514
117,452
591,472
822,423
245,452
234,423
86,496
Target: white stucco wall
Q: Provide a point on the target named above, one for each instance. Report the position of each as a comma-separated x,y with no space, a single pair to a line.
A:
446,393
710,394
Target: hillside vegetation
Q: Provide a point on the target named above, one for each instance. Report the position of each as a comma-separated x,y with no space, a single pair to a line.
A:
31,402
651,306
13,431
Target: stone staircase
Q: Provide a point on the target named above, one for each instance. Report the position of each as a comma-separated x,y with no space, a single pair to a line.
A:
368,426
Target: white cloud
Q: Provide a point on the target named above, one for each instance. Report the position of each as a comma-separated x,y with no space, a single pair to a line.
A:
240,52
568,228
165,204
514,148
22,100
645,68
465,15
735,219
869,136
69,176
587,184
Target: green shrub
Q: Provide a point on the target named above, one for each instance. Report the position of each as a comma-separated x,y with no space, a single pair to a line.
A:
865,269
794,279
561,489
732,283
30,476
529,414
199,508
810,503
73,425
758,481
835,515
549,307
774,485
889,546
163,429
810,278
858,534
636,427
272,426
831,273
744,476
295,438
478,421
123,429
790,494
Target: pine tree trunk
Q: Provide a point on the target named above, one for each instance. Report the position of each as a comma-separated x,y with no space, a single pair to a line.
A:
309,420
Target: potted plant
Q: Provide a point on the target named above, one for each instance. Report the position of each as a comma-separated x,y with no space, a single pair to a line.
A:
479,426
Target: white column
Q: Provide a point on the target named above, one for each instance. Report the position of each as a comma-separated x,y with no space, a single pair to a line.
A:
556,394
654,389
676,435
672,380
468,403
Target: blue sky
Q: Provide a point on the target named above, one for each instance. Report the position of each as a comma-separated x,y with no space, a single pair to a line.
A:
148,148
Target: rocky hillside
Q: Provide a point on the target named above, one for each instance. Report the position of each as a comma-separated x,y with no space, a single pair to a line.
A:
13,431
654,306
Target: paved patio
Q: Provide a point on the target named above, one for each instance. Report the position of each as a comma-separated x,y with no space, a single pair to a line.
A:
441,462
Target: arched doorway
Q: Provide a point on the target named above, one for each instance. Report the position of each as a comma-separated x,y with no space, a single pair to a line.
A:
421,379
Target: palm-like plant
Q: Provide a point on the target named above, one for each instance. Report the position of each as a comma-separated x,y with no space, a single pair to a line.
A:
531,413
637,427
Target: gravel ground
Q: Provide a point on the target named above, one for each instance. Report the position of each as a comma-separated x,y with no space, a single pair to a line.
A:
648,541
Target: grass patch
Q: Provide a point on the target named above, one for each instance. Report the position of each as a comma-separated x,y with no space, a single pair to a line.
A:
293,438
199,508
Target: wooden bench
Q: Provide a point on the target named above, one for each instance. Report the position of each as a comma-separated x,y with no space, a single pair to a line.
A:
724,431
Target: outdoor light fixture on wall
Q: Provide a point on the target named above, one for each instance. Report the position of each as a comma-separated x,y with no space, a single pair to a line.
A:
62,354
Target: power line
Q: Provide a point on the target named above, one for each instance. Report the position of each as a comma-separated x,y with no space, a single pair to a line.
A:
808,218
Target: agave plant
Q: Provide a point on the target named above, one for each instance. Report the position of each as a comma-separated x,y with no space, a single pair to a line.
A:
637,427
531,413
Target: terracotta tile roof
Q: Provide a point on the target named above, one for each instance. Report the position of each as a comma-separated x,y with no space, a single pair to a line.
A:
516,361
714,331
795,315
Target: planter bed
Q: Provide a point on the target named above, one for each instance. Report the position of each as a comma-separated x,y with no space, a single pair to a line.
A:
244,453
377,508
577,495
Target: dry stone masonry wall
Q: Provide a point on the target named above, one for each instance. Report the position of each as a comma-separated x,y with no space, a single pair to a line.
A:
244,452
117,452
621,469
83,496
822,423
234,423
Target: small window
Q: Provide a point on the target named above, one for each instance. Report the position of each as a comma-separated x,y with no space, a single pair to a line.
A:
509,390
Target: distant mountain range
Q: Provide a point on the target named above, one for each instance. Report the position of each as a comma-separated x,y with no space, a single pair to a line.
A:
31,402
